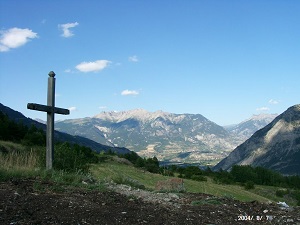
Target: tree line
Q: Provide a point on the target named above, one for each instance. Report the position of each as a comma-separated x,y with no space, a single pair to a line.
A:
239,174
20,133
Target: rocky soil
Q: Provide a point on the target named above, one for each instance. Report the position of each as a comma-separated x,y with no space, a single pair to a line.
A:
30,201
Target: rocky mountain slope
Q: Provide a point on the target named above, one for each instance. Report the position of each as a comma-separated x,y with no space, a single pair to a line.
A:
60,136
276,146
169,137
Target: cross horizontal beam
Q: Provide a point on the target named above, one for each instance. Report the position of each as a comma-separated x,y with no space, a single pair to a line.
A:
48,109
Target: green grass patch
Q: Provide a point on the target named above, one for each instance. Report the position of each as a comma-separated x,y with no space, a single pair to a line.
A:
7,174
222,190
111,170
271,193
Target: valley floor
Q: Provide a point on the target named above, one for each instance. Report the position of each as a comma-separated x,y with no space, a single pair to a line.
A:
31,201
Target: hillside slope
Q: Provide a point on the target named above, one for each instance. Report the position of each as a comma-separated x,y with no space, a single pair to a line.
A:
276,146
60,136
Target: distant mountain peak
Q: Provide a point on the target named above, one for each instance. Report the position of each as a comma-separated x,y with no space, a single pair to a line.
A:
246,128
140,114
262,116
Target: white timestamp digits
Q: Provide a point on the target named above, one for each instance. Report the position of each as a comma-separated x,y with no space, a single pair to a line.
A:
243,218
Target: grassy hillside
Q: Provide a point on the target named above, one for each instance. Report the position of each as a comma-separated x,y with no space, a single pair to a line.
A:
112,170
19,161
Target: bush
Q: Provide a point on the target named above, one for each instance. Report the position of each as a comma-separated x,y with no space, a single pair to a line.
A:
150,164
296,195
34,136
223,177
192,171
281,192
73,157
249,185
166,172
198,178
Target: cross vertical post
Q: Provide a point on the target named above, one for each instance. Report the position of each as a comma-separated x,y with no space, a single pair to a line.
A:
50,121
51,110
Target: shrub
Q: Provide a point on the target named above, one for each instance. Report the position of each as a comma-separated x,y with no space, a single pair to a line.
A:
73,157
296,195
128,181
198,178
249,185
281,192
192,171
222,177
166,172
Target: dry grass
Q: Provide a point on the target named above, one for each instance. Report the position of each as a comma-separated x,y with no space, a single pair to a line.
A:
21,161
17,157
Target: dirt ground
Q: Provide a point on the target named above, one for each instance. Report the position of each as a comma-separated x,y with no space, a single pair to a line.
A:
30,201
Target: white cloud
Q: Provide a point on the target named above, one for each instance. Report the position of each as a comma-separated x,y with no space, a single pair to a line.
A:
133,59
14,38
92,66
102,107
66,29
68,71
274,102
263,109
129,92
73,108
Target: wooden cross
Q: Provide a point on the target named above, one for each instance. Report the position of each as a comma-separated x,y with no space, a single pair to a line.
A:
51,110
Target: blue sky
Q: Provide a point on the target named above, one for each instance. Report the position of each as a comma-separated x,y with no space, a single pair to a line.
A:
226,60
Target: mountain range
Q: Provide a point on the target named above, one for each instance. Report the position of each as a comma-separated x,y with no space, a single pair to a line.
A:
276,146
265,140
181,138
